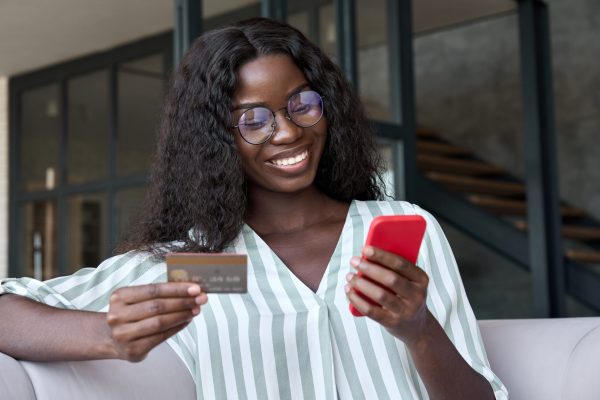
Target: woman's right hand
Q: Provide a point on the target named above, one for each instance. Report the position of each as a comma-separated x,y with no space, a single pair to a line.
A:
141,317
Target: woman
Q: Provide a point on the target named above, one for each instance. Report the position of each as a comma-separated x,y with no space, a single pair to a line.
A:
265,150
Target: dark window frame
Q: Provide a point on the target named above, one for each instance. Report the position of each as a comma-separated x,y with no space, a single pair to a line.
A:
60,74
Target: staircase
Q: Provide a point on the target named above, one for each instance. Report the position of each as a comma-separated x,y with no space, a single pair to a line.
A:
456,171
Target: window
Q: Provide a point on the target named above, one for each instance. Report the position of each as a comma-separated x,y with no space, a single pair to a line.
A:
316,20
83,141
373,58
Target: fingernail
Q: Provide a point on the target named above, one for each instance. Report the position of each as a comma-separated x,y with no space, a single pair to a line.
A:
194,290
349,276
354,261
347,288
368,251
199,300
196,310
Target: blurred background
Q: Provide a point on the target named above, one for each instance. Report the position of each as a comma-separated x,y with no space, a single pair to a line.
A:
487,111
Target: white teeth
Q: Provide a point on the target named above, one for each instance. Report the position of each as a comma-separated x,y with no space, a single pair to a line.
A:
291,160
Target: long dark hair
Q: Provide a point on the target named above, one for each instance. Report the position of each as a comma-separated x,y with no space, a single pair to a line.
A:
197,181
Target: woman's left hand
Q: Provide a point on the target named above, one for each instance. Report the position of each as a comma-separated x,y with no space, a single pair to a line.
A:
403,310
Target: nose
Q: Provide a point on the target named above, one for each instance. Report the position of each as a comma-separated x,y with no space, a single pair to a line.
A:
286,131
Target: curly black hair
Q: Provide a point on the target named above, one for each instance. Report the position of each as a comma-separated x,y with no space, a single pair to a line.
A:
197,181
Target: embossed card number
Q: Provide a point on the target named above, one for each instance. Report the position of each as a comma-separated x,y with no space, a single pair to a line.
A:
215,273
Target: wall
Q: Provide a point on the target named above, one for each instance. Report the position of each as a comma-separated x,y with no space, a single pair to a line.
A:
468,89
576,48
4,177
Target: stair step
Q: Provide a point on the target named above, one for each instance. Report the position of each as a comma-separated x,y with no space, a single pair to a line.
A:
442,148
516,207
583,256
429,162
426,133
586,233
478,185
581,232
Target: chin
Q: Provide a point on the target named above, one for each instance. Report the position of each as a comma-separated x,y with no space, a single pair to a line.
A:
292,185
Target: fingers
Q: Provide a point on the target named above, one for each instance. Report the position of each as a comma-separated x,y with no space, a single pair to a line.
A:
139,349
150,308
396,263
140,317
136,294
397,287
398,284
123,309
373,291
367,309
388,279
129,332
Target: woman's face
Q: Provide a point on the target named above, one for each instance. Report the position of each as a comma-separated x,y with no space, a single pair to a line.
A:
269,81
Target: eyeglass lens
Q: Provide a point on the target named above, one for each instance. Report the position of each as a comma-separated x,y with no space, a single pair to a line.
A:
304,109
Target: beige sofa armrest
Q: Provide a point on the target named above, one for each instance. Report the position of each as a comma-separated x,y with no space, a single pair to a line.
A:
545,359
14,382
162,375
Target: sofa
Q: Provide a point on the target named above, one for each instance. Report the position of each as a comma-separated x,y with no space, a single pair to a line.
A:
545,359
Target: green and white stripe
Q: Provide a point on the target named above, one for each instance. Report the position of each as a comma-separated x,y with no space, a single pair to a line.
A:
281,340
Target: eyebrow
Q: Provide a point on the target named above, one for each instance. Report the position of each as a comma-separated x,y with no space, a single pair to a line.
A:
246,106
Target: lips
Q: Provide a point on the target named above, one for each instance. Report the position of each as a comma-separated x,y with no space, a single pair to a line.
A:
291,160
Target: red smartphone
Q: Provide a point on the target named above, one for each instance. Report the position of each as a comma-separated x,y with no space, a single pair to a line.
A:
398,234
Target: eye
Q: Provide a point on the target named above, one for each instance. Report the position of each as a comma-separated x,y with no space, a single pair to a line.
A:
254,124
305,102
255,118
300,108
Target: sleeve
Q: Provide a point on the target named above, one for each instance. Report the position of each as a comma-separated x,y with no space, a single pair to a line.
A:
89,288
448,301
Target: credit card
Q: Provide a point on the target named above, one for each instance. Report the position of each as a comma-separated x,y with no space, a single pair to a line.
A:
214,272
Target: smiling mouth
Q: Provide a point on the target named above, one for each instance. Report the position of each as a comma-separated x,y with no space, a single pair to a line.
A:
290,160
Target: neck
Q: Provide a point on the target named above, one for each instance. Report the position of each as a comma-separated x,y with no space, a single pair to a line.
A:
270,212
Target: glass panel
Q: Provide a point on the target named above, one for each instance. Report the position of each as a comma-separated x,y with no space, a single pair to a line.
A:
316,20
469,103
327,30
140,93
128,205
576,85
373,58
576,308
219,13
87,145
482,110
40,138
439,15
496,288
386,150
86,231
38,240
300,21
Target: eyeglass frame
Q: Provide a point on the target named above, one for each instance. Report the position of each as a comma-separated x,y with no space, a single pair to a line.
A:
287,116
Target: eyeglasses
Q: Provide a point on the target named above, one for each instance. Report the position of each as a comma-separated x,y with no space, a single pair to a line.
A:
257,124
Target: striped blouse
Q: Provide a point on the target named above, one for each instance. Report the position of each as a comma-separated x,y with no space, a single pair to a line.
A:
281,340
